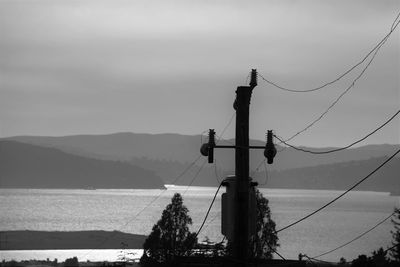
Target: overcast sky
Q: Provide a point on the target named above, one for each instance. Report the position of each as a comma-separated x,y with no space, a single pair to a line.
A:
95,67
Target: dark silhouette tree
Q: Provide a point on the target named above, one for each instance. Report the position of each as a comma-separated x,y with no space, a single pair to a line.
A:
379,258
71,262
342,261
361,261
170,236
265,241
395,252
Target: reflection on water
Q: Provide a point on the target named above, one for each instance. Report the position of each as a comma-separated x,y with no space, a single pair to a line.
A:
63,254
130,211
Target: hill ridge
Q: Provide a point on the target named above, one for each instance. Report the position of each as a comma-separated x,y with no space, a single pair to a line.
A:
25,165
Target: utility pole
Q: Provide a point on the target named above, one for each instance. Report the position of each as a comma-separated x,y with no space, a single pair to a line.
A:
238,203
241,226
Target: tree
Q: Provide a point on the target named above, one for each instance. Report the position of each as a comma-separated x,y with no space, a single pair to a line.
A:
170,236
379,258
265,241
395,252
361,261
342,261
71,262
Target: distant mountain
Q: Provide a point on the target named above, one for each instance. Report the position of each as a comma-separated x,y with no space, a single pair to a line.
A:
339,176
30,166
168,155
184,149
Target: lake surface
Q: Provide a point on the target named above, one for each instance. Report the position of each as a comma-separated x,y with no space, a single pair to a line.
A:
93,255
135,211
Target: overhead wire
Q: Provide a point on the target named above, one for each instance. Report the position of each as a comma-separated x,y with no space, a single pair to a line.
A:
266,173
204,162
276,252
323,114
394,25
263,162
227,125
216,174
356,238
394,22
311,259
342,148
224,130
341,195
195,176
258,167
384,252
392,247
376,47
209,209
212,220
212,202
148,205
216,171
344,92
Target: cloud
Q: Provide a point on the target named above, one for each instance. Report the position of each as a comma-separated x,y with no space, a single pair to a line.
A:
165,59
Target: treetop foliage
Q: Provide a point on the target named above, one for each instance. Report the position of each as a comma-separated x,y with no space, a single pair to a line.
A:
265,241
170,236
395,252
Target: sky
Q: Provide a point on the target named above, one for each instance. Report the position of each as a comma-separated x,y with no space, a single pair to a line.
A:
161,66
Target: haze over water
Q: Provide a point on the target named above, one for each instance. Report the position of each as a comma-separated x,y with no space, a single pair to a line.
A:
75,210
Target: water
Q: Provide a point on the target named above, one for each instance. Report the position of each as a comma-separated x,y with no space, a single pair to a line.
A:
135,211
93,255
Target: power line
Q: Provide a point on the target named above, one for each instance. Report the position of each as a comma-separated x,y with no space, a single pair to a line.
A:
209,208
212,220
336,100
344,92
216,171
204,162
224,130
311,259
342,148
392,247
148,205
341,195
212,202
314,258
376,47
216,175
195,176
258,167
356,238
266,174
394,22
186,169
276,252
263,162
226,127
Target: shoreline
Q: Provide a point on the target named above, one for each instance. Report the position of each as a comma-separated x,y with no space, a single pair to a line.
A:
58,240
